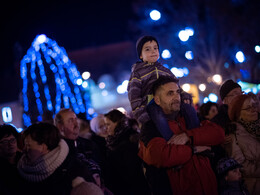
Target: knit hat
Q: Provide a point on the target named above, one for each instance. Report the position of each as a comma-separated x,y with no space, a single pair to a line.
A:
141,41
226,164
226,87
234,108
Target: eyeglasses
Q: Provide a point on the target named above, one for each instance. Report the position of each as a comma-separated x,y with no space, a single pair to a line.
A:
236,94
10,141
253,107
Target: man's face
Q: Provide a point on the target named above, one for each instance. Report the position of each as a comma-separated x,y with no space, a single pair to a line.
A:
232,94
70,127
168,97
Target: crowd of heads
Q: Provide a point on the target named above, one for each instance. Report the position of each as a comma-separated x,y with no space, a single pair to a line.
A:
41,138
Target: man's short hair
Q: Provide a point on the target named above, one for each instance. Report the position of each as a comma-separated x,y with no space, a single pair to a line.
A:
162,81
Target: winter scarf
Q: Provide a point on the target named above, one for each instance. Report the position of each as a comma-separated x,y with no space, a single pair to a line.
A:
252,127
44,166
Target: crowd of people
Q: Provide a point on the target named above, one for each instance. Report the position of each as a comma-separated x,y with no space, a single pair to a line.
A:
163,146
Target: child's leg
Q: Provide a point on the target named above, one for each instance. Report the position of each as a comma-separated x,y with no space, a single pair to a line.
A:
190,116
156,114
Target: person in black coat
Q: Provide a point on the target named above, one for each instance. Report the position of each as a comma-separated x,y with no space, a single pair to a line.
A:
85,150
124,174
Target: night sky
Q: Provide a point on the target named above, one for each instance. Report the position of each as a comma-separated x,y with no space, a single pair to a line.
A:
78,24
74,24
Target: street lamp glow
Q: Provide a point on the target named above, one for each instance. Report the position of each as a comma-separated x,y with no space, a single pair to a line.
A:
85,75
120,89
205,100
257,49
166,54
155,15
125,84
189,55
240,56
183,35
177,72
185,71
41,38
217,79
213,97
79,82
202,87
102,85
186,87
189,31
85,84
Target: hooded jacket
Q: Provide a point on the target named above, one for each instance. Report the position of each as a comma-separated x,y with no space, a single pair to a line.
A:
139,88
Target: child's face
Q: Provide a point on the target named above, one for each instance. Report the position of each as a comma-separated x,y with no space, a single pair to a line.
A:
233,175
150,52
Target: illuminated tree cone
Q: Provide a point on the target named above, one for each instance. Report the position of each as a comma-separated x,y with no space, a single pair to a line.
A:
50,82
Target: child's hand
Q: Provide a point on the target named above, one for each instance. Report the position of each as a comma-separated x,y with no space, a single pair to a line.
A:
180,139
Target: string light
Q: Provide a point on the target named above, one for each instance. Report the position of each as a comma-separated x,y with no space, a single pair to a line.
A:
48,73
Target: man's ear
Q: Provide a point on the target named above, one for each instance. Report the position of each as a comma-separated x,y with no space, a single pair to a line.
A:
157,99
45,148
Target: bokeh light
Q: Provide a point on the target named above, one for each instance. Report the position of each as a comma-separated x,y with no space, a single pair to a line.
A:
155,15
189,55
186,87
240,56
166,54
85,75
202,87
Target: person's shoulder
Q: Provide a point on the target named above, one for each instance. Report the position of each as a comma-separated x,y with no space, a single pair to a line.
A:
137,65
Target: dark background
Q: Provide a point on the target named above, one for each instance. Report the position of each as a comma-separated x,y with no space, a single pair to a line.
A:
78,24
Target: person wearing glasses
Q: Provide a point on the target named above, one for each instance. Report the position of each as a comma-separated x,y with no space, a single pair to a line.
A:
245,148
9,156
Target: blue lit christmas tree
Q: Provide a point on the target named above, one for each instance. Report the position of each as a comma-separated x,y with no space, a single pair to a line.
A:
50,82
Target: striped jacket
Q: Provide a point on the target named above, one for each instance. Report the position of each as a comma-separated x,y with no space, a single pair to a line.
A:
139,88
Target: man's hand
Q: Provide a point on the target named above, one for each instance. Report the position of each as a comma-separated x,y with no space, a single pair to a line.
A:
199,149
180,139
